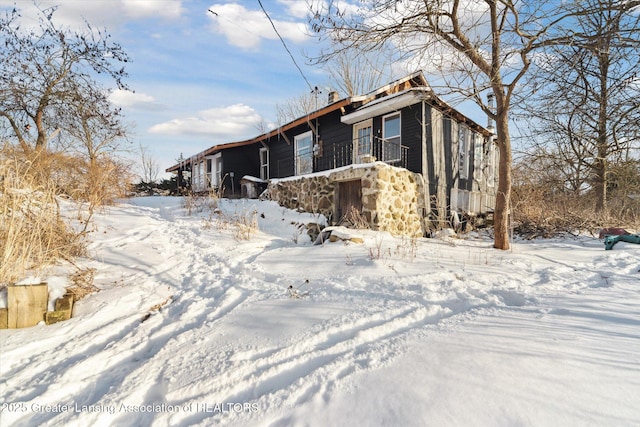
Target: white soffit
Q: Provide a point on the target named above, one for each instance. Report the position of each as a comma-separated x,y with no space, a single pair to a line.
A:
385,105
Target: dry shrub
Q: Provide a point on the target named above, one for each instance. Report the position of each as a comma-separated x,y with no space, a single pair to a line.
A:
407,248
32,232
354,219
543,210
98,182
82,283
377,251
199,202
244,224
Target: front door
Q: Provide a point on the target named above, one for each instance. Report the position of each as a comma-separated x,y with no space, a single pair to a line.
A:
349,200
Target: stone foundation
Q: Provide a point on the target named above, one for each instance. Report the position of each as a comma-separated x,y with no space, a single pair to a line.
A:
392,198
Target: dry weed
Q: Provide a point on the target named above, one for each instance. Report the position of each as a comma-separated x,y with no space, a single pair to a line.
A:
354,219
407,248
244,224
82,283
196,203
32,232
541,212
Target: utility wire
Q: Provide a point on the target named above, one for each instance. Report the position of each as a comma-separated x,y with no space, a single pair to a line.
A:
285,46
232,22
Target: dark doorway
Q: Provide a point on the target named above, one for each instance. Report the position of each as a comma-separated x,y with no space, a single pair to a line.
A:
349,200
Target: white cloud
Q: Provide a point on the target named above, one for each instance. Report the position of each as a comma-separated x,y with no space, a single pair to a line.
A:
246,28
102,13
153,8
296,8
234,121
139,101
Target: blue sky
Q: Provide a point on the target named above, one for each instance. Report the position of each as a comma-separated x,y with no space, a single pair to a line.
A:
199,78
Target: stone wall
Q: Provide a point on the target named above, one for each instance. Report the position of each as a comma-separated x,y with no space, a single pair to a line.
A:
392,198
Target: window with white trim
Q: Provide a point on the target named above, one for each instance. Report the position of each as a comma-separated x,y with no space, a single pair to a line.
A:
209,169
199,178
491,163
216,173
362,139
464,148
478,161
264,163
391,137
303,146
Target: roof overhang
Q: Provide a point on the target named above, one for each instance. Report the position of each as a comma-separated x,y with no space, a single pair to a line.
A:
387,104
416,79
397,101
259,139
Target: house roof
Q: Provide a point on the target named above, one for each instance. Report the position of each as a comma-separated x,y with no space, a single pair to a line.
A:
398,100
416,79
387,104
390,97
297,122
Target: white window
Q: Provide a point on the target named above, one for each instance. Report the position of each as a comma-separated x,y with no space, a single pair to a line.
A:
477,156
216,172
304,153
391,137
362,140
491,163
464,147
264,163
199,178
209,180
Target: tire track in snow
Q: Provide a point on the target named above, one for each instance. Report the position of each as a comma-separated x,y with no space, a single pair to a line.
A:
115,364
126,369
314,364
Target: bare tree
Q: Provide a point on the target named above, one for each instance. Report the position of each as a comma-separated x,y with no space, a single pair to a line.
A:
586,97
350,74
44,70
356,73
150,167
476,46
92,126
298,106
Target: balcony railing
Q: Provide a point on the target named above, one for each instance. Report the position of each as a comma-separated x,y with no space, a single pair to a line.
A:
378,149
339,155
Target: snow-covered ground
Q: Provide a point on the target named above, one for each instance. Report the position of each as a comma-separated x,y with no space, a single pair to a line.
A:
389,332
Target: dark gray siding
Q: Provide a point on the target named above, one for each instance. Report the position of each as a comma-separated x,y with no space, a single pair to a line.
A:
433,179
240,161
411,135
467,183
280,156
335,138
337,144
447,140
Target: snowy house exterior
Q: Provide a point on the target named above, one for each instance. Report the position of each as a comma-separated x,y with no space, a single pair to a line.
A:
220,167
403,124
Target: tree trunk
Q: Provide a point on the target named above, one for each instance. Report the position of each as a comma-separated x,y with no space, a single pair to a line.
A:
600,185
503,197
600,164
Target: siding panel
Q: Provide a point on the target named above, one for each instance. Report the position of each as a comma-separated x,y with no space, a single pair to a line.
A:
240,161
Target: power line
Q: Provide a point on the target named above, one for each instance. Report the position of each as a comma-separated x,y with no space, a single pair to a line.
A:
216,14
285,46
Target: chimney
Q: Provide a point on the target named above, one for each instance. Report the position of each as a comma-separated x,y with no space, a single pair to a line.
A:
333,97
490,126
